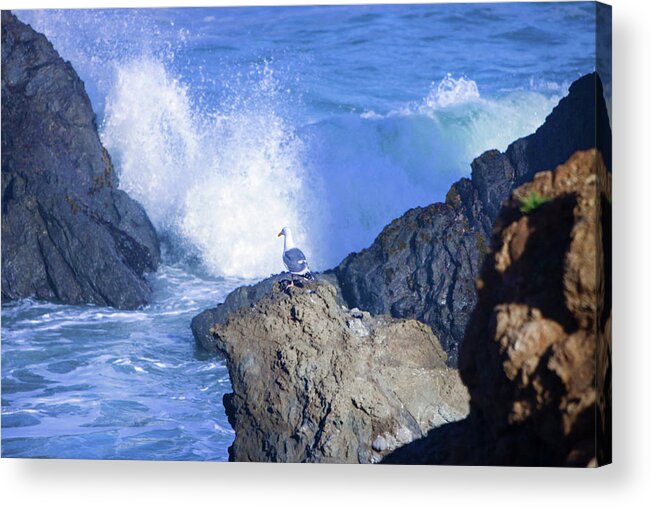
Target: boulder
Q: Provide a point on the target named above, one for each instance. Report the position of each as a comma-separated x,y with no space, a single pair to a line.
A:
244,297
537,352
423,265
69,234
316,382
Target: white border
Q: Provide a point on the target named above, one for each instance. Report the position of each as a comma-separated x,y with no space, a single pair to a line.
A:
70,483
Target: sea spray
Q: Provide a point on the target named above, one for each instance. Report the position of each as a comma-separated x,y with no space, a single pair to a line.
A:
223,149
450,91
374,167
223,182
220,183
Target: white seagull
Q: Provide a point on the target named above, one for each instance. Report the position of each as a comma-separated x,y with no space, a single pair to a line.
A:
294,258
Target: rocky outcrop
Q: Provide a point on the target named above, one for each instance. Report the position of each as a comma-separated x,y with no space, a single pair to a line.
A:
68,233
423,265
315,382
243,297
536,355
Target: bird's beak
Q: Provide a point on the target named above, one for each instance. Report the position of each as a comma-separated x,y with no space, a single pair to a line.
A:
280,234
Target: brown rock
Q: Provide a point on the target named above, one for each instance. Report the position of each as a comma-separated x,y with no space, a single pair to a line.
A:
536,355
314,382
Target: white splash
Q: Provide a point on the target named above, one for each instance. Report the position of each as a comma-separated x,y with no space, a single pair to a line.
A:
224,183
450,91
150,132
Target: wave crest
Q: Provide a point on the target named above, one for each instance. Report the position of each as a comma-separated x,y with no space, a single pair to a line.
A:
449,92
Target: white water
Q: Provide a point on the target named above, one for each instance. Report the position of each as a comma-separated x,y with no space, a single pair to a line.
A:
222,182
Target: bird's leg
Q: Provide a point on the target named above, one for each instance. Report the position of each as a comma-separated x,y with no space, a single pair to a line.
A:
291,280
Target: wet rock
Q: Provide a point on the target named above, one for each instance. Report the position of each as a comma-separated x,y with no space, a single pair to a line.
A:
68,233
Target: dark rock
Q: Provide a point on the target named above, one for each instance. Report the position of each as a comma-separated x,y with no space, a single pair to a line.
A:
68,233
579,122
537,353
315,382
423,264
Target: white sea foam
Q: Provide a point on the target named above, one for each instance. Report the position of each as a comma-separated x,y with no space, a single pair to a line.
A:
450,91
224,183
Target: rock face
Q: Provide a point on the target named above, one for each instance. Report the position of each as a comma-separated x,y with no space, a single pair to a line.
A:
423,265
68,234
536,355
315,382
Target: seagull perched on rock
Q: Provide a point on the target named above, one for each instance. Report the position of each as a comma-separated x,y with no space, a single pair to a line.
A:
294,258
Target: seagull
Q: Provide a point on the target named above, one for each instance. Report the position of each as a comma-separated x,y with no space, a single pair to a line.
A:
294,258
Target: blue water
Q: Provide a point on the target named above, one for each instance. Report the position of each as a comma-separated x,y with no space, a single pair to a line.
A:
89,382
228,124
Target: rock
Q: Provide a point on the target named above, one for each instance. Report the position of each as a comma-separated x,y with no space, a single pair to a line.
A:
423,264
315,382
243,297
69,234
538,397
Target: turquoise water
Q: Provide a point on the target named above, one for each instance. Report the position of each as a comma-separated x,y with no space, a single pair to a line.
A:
228,124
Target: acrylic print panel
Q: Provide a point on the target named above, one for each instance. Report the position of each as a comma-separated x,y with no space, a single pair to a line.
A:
342,234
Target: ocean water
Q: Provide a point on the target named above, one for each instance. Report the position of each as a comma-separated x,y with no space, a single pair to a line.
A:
228,124
90,382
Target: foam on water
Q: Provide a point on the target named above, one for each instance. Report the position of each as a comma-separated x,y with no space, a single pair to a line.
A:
118,387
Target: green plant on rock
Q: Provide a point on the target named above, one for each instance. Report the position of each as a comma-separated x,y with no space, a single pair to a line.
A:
532,201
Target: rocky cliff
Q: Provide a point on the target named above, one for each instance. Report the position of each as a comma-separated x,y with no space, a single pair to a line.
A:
68,233
315,382
536,355
423,265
